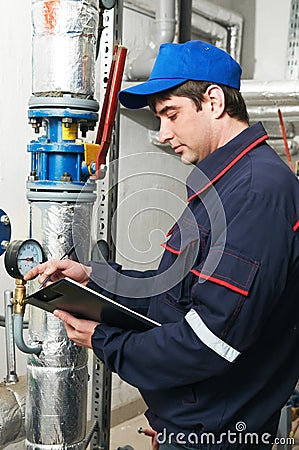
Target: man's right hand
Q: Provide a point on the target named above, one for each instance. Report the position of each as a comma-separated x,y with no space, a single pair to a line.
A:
58,269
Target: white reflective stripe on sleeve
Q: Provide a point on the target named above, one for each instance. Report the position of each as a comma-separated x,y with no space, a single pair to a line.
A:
209,339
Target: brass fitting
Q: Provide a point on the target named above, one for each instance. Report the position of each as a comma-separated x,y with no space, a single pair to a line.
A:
295,413
19,297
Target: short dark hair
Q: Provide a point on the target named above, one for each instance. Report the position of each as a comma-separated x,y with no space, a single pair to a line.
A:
234,103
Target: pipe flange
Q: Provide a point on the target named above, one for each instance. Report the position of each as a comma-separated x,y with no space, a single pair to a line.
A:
66,101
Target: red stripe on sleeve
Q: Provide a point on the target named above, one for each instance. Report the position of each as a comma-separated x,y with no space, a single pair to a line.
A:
172,250
296,226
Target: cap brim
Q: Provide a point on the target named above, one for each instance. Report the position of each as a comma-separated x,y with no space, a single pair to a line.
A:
136,96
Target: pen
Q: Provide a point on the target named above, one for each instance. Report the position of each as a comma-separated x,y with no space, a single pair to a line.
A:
67,254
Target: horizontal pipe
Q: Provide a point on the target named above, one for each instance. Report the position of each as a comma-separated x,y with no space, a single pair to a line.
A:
210,30
225,17
139,7
286,92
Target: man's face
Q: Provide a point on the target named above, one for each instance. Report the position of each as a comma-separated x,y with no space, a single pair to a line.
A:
188,131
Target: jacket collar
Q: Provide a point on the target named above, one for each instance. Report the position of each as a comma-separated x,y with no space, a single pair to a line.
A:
215,165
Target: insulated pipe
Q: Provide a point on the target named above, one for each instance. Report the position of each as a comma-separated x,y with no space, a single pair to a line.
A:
55,417
262,93
60,208
263,98
211,30
163,30
270,112
65,31
12,412
232,21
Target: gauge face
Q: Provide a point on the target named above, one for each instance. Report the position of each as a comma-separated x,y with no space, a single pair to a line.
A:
107,4
21,256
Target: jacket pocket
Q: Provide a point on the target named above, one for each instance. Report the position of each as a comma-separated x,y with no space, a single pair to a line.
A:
228,268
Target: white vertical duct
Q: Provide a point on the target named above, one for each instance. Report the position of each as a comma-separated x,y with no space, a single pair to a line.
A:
163,30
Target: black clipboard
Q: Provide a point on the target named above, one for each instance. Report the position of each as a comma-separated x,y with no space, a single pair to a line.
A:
84,303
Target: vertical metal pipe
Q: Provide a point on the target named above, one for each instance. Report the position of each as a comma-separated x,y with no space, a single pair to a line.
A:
101,376
185,20
57,378
11,376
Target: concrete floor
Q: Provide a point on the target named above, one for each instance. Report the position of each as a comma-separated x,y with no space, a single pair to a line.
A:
126,434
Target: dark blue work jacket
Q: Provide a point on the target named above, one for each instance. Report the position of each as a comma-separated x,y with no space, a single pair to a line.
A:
227,352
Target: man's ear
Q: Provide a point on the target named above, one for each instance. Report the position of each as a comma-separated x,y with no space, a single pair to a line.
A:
215,96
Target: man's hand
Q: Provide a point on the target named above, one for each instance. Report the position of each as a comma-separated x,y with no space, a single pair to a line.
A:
58,269
78,330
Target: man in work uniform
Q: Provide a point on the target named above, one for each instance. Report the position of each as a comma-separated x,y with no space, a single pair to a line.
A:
217,372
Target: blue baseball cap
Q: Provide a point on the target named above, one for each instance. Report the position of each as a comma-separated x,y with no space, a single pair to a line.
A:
177,63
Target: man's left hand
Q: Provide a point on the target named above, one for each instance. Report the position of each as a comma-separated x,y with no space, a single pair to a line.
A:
78,330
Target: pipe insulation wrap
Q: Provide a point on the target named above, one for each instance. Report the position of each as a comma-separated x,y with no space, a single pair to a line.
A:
57,378
60,225
64,47
270,93
12,412
55,414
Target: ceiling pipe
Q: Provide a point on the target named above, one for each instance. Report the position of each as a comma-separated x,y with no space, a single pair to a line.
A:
163,30
225,17
210,30
214,23
263,98
139,7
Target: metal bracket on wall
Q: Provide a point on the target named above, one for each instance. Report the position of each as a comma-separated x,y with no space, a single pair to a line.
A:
106,207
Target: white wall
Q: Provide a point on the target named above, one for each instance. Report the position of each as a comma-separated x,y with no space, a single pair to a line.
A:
15,82
271,35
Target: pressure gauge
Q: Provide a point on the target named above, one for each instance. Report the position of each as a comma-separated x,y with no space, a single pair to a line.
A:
21,256
107,4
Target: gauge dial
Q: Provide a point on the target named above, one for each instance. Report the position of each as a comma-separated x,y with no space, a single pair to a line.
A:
21,256
107,4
